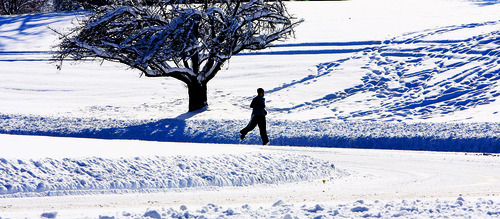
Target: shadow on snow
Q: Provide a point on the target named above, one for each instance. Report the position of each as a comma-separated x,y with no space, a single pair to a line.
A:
458,137
29,25
485,2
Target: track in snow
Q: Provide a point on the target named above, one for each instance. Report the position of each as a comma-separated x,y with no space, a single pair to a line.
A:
414,76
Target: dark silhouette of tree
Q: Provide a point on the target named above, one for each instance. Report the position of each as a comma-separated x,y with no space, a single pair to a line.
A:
69,5
9,7
182,40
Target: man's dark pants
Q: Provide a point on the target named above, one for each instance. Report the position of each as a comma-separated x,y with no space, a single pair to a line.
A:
257,120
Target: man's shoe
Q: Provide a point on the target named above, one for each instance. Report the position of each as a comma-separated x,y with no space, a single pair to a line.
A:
265,143
242,136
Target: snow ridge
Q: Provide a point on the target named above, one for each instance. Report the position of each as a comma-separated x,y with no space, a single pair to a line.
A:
439,208
458,137
359,209
48,177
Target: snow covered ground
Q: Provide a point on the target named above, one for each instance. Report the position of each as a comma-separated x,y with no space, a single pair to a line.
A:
368,183
388,74
409,75
411,61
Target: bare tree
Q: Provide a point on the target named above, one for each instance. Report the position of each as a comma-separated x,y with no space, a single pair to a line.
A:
189,42
9,7
69,5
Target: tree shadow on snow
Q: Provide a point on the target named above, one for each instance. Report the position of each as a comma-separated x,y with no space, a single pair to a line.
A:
171,129
485,2
28,25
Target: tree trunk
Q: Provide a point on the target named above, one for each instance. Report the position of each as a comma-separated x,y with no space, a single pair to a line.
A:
197,96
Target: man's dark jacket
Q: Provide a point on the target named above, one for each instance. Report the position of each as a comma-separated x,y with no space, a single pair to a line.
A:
258,104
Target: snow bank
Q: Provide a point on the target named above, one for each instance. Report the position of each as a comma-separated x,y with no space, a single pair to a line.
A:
458,137
47,177
458,208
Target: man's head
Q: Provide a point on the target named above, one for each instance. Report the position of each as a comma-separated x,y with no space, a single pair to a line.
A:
260,92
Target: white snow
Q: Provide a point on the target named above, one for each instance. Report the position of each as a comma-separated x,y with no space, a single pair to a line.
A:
388,74
397,179
96,173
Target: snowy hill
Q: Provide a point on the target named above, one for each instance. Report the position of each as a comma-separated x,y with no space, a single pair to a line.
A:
425,72
424,86
427,76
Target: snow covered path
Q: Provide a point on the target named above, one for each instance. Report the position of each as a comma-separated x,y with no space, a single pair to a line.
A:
367,175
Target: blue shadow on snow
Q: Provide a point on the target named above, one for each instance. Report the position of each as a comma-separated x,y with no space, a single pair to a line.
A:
181,129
